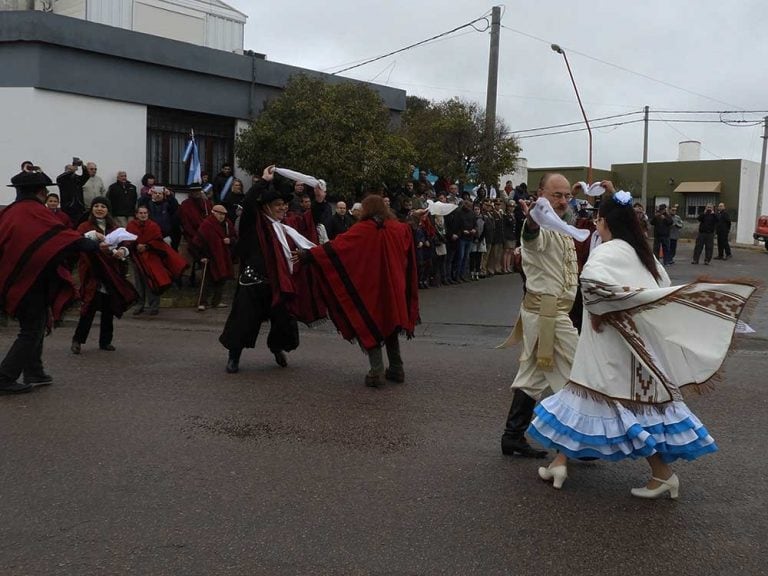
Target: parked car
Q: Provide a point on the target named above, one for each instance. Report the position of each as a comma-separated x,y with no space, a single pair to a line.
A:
761,232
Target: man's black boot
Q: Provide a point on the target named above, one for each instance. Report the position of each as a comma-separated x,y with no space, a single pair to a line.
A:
520,415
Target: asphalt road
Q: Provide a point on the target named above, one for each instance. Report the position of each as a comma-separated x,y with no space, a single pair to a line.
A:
152,460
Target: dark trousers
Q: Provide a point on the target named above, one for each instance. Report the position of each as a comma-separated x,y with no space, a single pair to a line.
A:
723,247
452,261
464,247
662,242
26,353
705,240
212,291
145,293
376,358
672,248
106,328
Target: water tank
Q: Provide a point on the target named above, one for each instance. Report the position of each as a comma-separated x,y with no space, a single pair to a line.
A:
689,150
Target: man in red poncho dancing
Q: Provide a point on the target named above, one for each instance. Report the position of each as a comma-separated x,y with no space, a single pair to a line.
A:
369,281
33,278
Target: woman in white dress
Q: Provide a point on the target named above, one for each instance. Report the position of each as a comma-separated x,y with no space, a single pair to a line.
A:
634,356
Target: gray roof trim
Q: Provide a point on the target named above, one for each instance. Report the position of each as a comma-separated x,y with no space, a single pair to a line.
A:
18,28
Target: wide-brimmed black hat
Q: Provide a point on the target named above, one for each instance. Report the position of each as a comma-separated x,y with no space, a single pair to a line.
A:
271,194
31,180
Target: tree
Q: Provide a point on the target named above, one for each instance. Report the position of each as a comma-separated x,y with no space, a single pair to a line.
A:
449,139
338,132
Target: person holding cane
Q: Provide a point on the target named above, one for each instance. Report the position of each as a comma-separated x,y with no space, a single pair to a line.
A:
215,240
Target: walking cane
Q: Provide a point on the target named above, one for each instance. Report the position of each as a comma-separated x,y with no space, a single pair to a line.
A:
202,284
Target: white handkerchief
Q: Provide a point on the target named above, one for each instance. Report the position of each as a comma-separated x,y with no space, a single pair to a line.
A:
299,177
543,214
440,208
744,328
594,190
117,236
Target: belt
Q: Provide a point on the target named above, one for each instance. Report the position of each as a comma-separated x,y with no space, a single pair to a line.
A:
548,308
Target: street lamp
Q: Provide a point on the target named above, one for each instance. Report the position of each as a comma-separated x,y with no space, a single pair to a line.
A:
559,50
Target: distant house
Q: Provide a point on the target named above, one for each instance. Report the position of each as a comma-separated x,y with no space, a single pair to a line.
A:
689,182
122,82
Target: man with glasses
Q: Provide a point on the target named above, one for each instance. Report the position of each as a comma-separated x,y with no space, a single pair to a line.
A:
94,186
546,332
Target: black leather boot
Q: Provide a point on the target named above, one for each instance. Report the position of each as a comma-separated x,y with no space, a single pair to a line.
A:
520,415
233,362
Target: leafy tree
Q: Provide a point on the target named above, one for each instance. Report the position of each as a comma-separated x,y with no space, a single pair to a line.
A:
449,139
338,132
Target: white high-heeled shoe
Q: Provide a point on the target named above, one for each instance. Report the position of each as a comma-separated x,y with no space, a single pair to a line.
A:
671,485
557,474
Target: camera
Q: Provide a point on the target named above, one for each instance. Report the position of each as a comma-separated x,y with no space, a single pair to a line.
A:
76,161
158,188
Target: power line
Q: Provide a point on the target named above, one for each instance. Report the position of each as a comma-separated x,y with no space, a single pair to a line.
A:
422,42
684,135
576,123
651,78
580,129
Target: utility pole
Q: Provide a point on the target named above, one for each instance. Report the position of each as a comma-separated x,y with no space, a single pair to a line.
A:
493,78
644,193
761,184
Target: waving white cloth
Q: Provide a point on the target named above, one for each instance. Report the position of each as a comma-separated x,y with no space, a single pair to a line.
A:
440,208
543,214
114,238
303,178
595,189
281,233
646,351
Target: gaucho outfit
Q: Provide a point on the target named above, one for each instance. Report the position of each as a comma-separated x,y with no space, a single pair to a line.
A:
35,283
267,287
544,328
624,395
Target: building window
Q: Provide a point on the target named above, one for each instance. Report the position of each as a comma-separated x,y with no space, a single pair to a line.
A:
167,136
695,203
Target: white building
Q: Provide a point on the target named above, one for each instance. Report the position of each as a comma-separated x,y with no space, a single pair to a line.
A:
122,82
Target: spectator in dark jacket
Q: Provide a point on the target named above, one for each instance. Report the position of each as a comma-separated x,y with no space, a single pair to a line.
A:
123,196
340,222
222,183
71,190
163,210
662,223
706,237
321,210
723,229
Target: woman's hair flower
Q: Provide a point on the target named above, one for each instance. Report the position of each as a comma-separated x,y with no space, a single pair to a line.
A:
622,197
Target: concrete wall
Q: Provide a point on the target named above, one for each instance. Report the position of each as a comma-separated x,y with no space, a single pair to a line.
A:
749,185
49,128
659,173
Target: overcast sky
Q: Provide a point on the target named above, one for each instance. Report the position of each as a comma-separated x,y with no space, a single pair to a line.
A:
711,48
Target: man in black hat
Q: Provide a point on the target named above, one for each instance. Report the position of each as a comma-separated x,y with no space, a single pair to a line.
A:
268,288
33,244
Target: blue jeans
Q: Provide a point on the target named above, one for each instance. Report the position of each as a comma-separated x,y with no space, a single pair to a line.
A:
464,247
663,243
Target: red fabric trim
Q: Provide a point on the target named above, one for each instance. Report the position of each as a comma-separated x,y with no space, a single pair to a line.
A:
210,242
368,277
159,264
31,237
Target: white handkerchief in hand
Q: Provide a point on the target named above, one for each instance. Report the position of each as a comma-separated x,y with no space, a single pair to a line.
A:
593,190
440,208
299,177
543,214
117,236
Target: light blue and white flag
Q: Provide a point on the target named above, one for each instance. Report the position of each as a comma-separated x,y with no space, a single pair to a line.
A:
192,154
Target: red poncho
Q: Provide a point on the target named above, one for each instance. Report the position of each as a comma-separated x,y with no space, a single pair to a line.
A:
304,223
209,241
368,279
159,264
101,268
192,213
31,238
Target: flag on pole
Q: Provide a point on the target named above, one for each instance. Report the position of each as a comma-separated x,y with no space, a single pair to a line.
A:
192,154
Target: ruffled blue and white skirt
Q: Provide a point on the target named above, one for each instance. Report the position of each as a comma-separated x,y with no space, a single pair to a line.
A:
580,426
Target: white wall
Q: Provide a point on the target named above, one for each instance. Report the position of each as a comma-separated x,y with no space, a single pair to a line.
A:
117,13
49,128
246,177
169,21
748,187
71,8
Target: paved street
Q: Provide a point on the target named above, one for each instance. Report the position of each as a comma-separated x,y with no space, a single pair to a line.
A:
151,460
